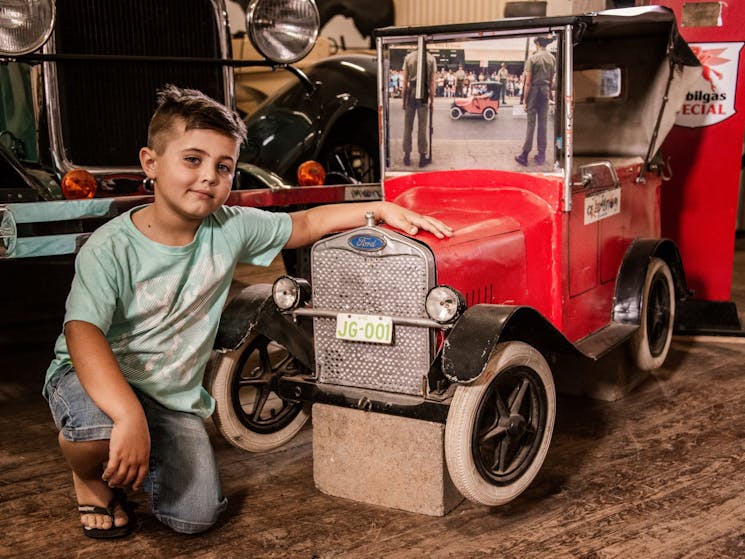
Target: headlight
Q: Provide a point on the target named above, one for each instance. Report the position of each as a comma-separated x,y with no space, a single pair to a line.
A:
289,293
283,31
444,304
8,232
25,25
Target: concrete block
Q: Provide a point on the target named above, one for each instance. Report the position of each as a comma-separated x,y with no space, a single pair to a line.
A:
382,460
610,378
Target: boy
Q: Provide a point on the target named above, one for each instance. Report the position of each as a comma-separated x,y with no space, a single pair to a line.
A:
125,388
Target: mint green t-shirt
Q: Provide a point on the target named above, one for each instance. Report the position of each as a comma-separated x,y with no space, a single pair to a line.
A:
159,306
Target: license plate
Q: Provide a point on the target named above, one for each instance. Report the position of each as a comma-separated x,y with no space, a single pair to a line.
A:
364,328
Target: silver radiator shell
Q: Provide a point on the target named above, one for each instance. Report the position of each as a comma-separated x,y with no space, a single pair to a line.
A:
391,281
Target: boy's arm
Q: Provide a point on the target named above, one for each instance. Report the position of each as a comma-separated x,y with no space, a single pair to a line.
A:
102,379
310,225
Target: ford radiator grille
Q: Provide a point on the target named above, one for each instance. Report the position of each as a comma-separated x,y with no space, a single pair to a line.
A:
391,281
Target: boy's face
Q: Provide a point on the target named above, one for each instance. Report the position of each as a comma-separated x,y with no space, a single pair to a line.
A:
193,171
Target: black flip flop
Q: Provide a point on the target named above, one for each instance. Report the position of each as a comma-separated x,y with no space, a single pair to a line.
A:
115,531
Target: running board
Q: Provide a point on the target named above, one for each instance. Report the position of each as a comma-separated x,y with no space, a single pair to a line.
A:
604,340
695,317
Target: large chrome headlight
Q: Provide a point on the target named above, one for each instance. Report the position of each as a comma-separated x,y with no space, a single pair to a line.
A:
25,25
284,31
290,293
444,304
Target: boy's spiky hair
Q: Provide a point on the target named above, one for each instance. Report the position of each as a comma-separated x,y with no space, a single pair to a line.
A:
197,110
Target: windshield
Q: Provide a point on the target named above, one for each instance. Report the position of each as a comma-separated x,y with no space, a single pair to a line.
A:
469,111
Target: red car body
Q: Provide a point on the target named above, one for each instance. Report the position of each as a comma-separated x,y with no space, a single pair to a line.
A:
548,258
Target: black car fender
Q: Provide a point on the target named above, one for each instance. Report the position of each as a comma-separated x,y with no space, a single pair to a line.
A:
353,74
356,77
253,311
627,301
293,125
336,113
467,349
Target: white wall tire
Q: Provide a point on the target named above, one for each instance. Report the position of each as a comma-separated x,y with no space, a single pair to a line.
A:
456,113
651,342
489,113
248,412
499,427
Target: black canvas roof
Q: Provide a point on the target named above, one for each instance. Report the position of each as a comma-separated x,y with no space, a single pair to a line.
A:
647,21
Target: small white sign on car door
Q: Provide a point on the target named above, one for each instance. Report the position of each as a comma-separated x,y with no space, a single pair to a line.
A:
601,205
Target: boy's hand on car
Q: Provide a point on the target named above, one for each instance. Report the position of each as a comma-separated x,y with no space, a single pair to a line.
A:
129,453
411,222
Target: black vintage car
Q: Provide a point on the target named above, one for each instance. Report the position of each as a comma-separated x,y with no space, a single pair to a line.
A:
79,98
78,83
77,87
331,118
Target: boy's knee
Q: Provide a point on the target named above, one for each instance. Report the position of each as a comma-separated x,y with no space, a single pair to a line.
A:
194,520
185,527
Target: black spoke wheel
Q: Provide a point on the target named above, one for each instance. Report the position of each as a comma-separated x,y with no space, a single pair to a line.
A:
510,421
249,412
499,427
351,161
352,154
650,344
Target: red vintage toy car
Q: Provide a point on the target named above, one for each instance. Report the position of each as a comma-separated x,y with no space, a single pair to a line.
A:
558,260
484,103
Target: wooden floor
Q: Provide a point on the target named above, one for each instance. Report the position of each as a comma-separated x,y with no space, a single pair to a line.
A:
660,473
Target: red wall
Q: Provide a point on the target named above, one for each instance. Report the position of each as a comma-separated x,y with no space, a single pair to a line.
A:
699,204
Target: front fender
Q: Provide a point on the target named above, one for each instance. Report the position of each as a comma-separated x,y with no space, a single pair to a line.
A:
469,346
253,311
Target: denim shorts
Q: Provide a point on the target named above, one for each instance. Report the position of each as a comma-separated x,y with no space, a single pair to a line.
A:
183,479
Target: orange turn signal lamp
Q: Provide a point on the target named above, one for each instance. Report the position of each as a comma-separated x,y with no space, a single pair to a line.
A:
311,173
78,184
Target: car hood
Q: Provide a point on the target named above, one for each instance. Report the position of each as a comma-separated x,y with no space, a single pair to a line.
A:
476,204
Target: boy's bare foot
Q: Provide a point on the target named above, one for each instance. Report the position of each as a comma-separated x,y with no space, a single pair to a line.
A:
95,496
